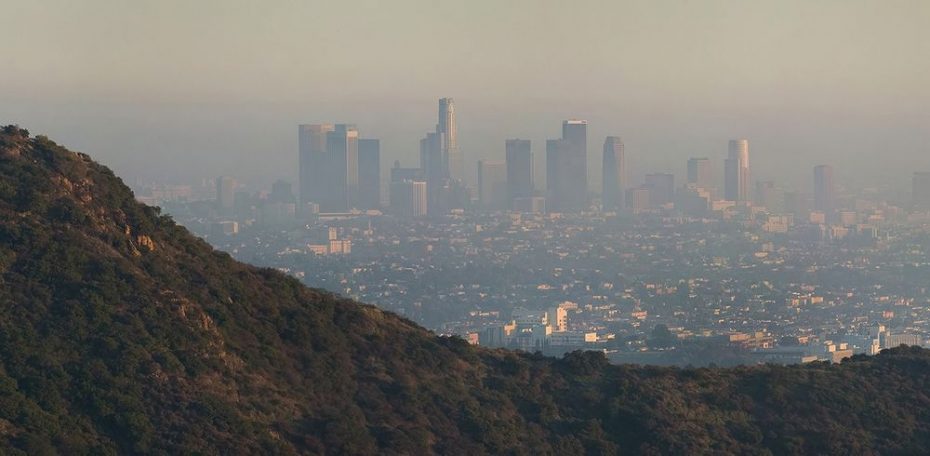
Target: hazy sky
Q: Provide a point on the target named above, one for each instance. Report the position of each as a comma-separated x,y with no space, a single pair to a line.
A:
181,89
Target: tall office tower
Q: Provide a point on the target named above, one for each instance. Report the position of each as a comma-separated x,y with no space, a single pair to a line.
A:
369,174
661,188
311,140
519,169
614,174
824,191
435,169
408,198
399,174
225,194
567,168
699,173
492,185
451,153
341,180
638,199
736,171
920,190
575,134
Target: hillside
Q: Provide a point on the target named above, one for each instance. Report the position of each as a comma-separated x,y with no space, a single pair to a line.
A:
120,333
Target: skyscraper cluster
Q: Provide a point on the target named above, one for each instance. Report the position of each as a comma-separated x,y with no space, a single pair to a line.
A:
443,164
567,168
340,171
331,164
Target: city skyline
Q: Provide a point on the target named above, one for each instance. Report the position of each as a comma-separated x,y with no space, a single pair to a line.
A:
506,177
519,227
668,77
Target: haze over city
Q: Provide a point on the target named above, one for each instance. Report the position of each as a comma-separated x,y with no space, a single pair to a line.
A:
178,91
471,227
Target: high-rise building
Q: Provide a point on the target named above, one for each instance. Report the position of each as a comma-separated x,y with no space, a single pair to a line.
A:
446,127
435,169
661,188
824,191
369,174
399,174
700,174
225,194
920,186
341,166
311,141
492,185
575,134
736,171
443,163
638,199
567,168
519,169
614,174
408,198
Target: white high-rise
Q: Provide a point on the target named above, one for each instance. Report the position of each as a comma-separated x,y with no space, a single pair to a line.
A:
446,127
736,171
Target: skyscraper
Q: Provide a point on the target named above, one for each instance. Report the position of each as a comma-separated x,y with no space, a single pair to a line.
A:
399,174
408,198
575,134
736,171
519,169
614,174
699,173
369,174
451,153
824,191
567,167
443,164
311,141
341,168
435,169
492,184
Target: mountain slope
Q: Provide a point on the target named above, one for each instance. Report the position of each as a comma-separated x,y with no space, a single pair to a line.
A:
122,333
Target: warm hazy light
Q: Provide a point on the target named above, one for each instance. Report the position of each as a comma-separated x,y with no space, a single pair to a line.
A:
149,86
465,227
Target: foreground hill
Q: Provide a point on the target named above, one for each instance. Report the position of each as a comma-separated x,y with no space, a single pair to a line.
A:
120,332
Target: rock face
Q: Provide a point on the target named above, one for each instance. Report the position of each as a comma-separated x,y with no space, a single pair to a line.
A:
122,333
